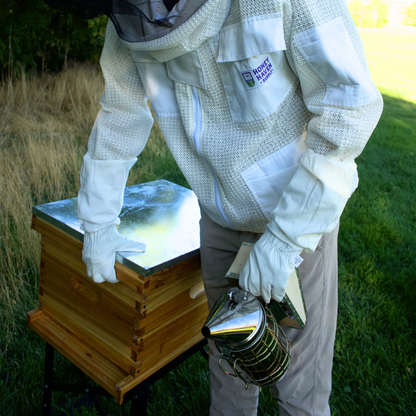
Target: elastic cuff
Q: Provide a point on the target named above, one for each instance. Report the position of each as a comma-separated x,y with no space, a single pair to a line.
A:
129,162
286,246
91,227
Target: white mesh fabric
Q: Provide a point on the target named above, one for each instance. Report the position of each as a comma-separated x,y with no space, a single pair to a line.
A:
196,172
243,9
247,144
326,134
229,147
339,132
124,122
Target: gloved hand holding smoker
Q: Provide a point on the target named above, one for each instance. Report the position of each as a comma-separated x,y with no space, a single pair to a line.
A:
271,261
264,106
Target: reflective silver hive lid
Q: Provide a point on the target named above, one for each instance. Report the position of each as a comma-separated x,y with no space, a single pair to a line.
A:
236,320
162,214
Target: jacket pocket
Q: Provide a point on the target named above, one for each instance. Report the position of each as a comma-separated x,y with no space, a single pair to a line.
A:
268,178
158,87
252,63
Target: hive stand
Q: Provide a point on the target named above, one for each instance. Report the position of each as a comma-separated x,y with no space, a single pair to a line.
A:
125,335
138,395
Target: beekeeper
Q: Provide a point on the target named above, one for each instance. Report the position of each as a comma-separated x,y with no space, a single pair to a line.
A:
264,105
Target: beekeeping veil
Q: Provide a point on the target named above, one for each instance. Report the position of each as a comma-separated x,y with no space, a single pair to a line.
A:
135,20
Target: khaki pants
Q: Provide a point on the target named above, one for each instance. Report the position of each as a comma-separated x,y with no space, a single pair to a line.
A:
306,387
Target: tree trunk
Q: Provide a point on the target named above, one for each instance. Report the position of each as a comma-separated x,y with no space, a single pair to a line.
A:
43,62
66,56
10,54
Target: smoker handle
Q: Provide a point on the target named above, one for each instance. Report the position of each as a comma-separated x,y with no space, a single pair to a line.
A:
197,290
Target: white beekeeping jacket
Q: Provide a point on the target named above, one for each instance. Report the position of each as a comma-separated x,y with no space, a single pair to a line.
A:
264,105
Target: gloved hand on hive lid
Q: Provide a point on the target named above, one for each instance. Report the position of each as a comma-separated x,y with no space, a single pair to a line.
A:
100,249
100,200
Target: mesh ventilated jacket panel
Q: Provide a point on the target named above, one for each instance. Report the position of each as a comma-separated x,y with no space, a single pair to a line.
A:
243,9
124,122
340,132
247,143
228,147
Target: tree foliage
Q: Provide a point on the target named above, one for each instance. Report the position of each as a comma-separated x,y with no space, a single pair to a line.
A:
36,36
373,14
411,15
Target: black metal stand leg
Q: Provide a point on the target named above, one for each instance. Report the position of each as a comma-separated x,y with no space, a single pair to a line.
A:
204,353
47,384
138,395
139,402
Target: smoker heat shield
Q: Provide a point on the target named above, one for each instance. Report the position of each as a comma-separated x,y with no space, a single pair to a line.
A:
249,339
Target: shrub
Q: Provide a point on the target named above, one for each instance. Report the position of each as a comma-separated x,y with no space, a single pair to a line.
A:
373,14
411,16
35,36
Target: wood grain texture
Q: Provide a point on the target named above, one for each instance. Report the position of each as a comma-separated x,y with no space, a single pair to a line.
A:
172,335
171,289
76,350
171,309
125,385
71,253
75,285
130,329
32,316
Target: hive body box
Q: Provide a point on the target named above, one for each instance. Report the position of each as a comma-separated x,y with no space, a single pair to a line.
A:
120,334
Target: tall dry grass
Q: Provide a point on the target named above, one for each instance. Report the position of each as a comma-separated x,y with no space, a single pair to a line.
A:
44,126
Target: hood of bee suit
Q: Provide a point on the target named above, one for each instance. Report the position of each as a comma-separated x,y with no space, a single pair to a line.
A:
185,28
164,28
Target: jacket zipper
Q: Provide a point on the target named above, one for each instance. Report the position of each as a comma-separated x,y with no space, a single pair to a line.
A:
197,136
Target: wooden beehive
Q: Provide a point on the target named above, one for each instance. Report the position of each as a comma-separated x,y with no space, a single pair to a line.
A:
120,334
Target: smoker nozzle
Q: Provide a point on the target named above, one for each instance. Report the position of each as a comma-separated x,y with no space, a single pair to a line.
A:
205,331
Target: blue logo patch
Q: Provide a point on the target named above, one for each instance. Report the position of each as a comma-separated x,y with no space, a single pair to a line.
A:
256,77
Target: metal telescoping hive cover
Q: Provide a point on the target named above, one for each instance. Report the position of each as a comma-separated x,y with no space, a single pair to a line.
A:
162,214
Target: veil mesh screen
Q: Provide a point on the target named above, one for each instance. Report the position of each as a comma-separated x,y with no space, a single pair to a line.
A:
134,20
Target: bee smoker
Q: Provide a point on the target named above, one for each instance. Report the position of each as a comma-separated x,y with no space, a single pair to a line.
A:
249,334
249,338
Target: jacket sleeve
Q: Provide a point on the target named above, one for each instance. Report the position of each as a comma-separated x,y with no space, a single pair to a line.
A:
124,122
119,134
325,51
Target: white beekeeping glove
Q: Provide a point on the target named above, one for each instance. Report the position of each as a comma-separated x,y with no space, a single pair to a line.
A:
100,200
99,252
268,267
310,206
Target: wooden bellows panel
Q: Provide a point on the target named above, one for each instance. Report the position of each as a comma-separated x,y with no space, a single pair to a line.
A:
118,334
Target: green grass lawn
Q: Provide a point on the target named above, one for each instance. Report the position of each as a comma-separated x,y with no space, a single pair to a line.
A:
375,350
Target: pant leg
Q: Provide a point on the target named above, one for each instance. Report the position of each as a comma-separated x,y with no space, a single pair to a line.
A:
306,388
219,247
